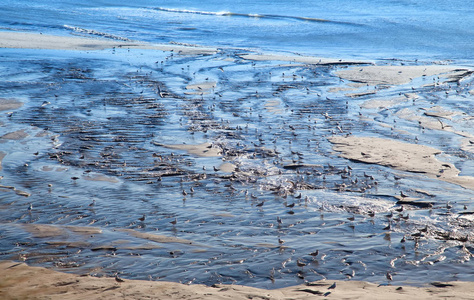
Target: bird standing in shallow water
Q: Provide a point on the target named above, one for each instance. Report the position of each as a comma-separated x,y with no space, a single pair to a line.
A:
174,221
142,218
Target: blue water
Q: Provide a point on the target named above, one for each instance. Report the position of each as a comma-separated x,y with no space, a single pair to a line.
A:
431,30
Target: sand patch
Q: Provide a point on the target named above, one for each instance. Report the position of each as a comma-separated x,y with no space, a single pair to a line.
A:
274,106
401,156
361,94
20,281
203,150
396,75
20,40
2,155
440,112
383,103
100,177
300,59
158,238
9,104
202,86
227,167
47,231
16,135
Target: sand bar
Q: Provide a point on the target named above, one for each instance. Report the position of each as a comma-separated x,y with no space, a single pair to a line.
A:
395,75
202,150
20,281
301,59
24,40
401,156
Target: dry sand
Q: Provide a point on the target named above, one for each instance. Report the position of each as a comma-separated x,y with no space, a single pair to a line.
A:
19,281
9,39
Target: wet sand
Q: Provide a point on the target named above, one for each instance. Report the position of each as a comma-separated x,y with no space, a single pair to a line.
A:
379,119
19,281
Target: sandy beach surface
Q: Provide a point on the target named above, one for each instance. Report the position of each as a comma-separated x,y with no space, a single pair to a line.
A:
19,281
398,137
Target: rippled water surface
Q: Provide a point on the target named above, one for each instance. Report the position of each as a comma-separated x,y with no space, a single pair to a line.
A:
95,161
101,173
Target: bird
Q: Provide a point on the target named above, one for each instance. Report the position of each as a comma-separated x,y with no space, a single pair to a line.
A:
333,286
279,220
403,195
30,207
280,241
300,263
174,221
142,218
118,279
184,193
315,253
261,203
389,276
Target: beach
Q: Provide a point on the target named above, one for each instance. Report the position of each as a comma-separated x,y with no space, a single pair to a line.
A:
20,281
216,173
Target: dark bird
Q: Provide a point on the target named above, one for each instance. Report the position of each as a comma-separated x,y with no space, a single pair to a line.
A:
174,221
142,218
118,279
403,195
389,276
300,263
315,253
184,193
333,286
261,204
92,204
280,241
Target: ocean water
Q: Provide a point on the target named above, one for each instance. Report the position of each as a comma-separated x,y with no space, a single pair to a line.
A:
380,29
97,128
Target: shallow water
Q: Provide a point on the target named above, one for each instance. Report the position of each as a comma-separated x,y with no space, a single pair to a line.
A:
100,136
98,123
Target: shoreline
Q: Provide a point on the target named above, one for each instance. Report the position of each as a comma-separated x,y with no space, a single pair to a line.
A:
18,280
